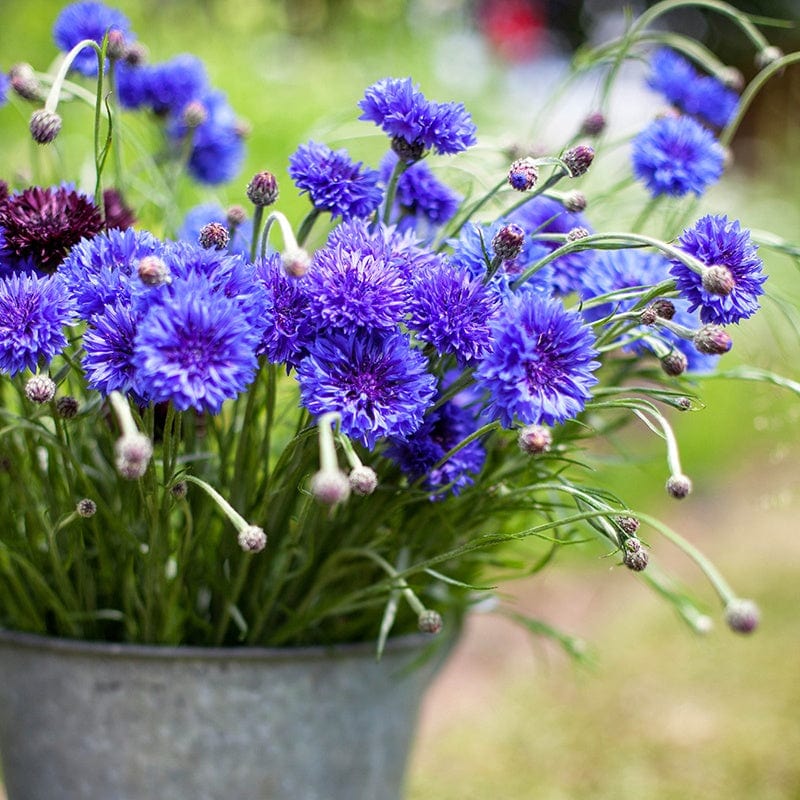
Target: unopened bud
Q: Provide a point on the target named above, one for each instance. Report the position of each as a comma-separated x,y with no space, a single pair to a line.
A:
40,389
742,616
330,487
363,480
116,48
594,124
718,279
627,524
523,174
577,233
574,201
578,159
674,363
235,216
635,557
665,309
683,403
179,490
133,453
769,55
430,621
214,236
262,189
67,407
44,125
406,151
135,54
86,508
252,539
152,271
732,78
194,114
534,439
508,241
679,486
25,83
296,262
712,340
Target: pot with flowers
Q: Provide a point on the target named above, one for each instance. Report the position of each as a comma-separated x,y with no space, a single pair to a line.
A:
242,458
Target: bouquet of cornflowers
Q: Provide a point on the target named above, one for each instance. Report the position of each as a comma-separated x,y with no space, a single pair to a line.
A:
231,430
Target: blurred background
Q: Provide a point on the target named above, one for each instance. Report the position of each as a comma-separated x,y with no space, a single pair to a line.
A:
660,713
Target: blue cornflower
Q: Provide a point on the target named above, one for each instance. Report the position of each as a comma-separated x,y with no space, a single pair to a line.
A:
716,242
132,85
4,84
441,430
415,124
474,246
194,347
108,342
33,313
675,156
540,368
420,194
169,86
204,213
98,271
542,215
376,381
350,288
288,329
87,20
333,182
453,311
701,96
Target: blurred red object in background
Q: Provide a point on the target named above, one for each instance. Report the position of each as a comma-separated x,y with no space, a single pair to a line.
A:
516,29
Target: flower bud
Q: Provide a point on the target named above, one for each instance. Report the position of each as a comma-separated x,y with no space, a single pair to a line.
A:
363,480
330,487
25,83
674,363
179,490
44,125
135,54
252,539
133,453
116,48
67,407
577,233
523,174
627,524
593,124
712,340
578,159
635,556
296,262
40,389
718,279
742,616
430,621
665,309
86,508
152,271
508,241
534,439
683,403
679,486
406,151
262,189
769,55
194,114
732,78
214,236
574,201
235,216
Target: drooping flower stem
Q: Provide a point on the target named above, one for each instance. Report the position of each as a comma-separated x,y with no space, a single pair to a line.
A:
304,231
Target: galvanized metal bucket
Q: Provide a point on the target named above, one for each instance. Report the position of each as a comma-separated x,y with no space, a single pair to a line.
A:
94,721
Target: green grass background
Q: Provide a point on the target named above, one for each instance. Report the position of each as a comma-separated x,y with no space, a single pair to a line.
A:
662,714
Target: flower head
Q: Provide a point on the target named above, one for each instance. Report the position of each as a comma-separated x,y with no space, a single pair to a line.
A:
540,368
42,224
108,344
716,242
333,182
201,215
33,312
415,124
376,381
87,20
675,156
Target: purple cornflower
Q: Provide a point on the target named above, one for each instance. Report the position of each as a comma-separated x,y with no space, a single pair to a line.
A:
194,347
165,88
108,342
42,224
415,124
675,156
376,381
701,96
441,430
334,182
87,20
355,287
33,312
453,311
288,329
420,195
540,368
716,242
201,215
98,271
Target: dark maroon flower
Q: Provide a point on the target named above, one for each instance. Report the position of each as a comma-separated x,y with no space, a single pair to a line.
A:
117,214
42,224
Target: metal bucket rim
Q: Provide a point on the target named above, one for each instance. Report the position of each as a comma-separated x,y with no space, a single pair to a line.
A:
35,641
